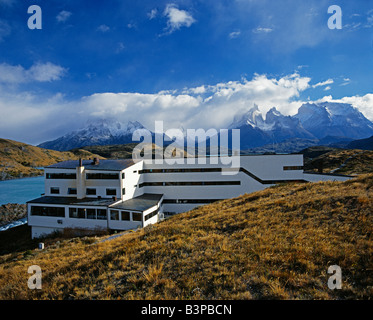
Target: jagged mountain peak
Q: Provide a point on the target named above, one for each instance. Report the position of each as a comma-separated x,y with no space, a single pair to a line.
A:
252,117
334,119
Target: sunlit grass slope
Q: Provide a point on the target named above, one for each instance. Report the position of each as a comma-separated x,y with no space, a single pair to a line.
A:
274,244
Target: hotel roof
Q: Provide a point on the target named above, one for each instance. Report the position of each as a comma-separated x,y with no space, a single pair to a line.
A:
140,203
110,165
101,202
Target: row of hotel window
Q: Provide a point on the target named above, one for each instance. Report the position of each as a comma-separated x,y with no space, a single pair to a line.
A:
88,176
190,183
203,170
91,213
89,191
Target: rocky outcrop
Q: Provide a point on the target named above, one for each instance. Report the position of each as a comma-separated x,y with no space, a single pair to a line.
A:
11,212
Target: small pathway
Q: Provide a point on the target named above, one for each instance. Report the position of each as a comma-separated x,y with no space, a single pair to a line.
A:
347,160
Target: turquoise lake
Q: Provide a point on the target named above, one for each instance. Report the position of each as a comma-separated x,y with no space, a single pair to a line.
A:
21,190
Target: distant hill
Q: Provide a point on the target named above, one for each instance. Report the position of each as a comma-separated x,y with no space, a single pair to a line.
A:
277,243
363,144
287,146
122,151
19,159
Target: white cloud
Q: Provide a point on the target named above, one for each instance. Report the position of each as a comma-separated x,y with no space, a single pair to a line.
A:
152,14
177,18
363,103
103,28
327,88
5,30
369,22
206,106
234,34
63,16
324,83
120,47
7,2
262,30
345,82
41,72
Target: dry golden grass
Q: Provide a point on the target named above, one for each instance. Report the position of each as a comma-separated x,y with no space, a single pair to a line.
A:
18,159
274,244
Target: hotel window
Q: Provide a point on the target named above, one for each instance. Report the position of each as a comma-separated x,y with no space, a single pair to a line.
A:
48,211
136,216
102,176
81,213
123,175
114,214
77,213
125,216
91,213
55,190
61,175
111,192
101,214
293,167
71,191
124,191
91,191
73,212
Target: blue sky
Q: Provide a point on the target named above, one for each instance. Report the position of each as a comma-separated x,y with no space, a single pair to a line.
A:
190,63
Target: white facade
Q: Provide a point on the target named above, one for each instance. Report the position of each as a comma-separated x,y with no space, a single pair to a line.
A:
121,195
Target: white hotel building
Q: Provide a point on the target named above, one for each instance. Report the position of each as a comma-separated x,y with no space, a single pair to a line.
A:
122,194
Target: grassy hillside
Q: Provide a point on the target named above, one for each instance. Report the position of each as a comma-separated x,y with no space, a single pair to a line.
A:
18,159
274,244
342,161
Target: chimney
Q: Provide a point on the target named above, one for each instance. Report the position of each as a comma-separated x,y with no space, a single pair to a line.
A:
80,162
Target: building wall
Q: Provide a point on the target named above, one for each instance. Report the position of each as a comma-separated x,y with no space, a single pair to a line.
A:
98,184
131,181
269,167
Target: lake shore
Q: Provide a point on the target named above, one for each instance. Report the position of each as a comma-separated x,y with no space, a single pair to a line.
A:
4,176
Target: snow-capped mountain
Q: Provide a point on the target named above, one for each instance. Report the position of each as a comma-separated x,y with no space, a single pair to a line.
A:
98,132
313,122
334,119
255,131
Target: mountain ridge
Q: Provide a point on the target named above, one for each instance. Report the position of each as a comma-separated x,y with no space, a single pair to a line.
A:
335,122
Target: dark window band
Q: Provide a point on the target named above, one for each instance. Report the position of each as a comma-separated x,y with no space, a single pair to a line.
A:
189,183
102,176
61,175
